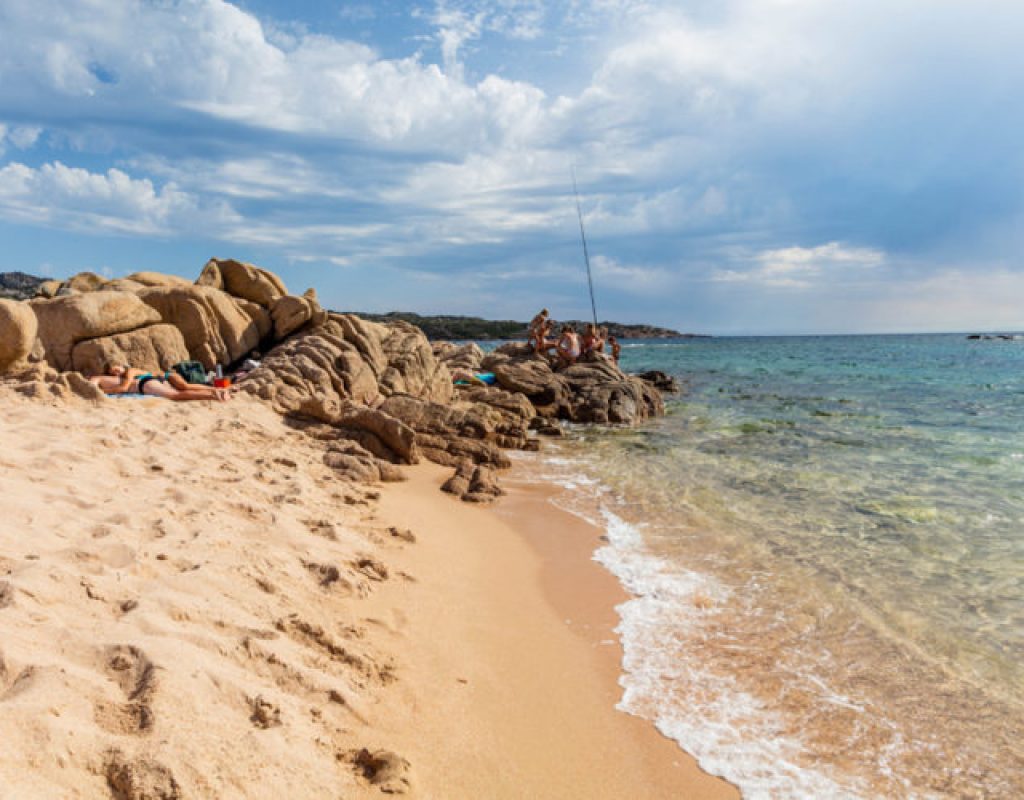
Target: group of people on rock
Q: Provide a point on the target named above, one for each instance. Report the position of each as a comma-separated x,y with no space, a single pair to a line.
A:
569,347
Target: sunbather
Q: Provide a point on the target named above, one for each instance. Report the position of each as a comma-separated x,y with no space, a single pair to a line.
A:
128,380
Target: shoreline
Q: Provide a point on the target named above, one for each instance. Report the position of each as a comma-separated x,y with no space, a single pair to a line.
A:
523,614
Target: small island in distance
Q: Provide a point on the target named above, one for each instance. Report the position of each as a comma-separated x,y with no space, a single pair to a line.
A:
454,327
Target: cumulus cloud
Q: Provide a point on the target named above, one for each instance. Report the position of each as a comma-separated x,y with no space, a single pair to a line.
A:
111,201
703,134
803,267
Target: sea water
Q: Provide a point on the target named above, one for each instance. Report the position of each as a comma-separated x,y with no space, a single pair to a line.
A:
824,540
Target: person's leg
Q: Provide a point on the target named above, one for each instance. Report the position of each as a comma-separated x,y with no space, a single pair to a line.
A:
161,389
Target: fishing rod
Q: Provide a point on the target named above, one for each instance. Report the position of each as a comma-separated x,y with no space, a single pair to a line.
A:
583,237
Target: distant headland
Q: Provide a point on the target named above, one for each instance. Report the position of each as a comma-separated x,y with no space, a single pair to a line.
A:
444,327
22,286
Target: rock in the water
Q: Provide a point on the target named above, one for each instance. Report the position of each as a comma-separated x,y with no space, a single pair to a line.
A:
66,321
155,348
18,326
661,381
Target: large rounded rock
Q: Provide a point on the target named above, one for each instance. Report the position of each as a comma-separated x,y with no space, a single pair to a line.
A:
290,313
17,333
216,328
242,280
412,368
85,282
154,348
158,279
66,321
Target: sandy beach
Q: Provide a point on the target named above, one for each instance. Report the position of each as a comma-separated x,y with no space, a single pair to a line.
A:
193,605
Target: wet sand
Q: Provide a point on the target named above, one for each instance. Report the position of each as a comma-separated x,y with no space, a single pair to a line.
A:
512,659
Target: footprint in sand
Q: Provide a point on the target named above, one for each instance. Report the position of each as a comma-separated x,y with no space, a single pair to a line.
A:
135,674
264,713
6,594
327,575
139,778
388,771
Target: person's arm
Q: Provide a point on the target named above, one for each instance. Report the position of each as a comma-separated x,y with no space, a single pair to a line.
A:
126,380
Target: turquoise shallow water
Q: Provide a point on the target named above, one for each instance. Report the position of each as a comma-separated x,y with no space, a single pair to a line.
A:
826,540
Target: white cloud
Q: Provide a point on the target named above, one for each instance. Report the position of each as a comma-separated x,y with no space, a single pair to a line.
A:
21,137
614,276
803,267
111,201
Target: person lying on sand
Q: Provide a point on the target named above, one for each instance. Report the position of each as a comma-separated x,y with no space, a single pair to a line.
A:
128,380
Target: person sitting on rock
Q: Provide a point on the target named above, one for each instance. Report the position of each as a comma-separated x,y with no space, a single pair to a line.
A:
538,321
590,339
615,347
540,341
602,338
568,348
119,379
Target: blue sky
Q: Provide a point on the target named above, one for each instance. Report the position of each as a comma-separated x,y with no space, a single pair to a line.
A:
746,166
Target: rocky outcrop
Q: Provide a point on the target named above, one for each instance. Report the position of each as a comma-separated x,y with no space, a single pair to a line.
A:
66,321
466,357
217,329
379,395
290,313
155,348
594,391
41,382
473,483
242,280
158,279
18,328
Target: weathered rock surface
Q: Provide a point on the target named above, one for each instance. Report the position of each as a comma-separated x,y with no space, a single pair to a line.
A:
41,382
661,381
242,280
290,313
157,279
380,395
66,321
18,328
217,329
466,357
594,391
155,348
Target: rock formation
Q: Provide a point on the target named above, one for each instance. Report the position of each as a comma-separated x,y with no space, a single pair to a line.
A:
378,394
17,333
